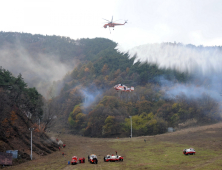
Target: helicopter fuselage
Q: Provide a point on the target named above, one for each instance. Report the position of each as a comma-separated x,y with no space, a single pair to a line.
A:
112,25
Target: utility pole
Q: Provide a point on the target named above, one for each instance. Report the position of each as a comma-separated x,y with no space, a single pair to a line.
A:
31,129
131,127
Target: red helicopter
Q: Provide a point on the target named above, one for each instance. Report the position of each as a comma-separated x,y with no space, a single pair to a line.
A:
112,24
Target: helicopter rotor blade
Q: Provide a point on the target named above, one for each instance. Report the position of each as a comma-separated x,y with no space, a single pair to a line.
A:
117,20
112,20
106,19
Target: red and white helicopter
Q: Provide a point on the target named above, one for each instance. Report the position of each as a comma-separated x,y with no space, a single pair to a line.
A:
121,87
112,24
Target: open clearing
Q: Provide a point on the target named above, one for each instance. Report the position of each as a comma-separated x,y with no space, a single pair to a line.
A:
158,152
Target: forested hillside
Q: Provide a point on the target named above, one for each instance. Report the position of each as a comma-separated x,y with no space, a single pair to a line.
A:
84,101
44,59
151,110
20,108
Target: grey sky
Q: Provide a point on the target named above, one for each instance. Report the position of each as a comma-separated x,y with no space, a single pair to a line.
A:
149,21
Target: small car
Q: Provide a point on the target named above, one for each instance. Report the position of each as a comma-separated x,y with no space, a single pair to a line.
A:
113,158
93,159
75,160
189,151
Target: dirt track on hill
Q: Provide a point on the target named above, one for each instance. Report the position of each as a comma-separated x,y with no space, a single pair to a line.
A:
207,137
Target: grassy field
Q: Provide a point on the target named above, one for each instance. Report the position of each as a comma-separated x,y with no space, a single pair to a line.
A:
158,152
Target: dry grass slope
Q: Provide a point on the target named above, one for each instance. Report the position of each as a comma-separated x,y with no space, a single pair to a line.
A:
158,152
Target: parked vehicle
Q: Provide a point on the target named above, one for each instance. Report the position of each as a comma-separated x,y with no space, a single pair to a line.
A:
93,159
189,151
75,160
113,158
82,160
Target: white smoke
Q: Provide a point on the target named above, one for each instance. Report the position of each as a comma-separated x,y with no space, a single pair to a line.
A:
183,58
60,142
203,64
38,70
190,90
89,96
53,139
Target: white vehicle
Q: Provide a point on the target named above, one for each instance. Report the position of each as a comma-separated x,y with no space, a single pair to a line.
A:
113,158
93,159
189,151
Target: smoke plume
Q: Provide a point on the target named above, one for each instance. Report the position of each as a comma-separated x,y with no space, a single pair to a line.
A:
38,70
89,96
202,63
184,58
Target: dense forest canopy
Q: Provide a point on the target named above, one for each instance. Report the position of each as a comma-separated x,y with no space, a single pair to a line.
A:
84,97
16,95
17,100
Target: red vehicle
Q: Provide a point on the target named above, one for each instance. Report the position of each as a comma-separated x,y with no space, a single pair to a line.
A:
75,160
82,160
113,158
93,159
189,151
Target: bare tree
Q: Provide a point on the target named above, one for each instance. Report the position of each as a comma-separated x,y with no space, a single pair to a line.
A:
49,113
